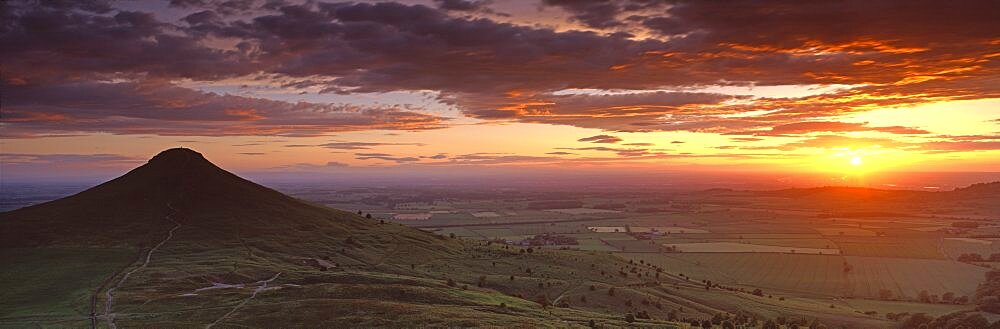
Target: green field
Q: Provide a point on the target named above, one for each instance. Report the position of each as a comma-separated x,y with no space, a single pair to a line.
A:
907,277
55,282
822,274
927,247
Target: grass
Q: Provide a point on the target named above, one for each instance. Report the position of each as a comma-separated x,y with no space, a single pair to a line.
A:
907,277
922,247
54,282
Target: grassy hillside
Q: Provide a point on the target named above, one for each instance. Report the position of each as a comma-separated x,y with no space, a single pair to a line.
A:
179,242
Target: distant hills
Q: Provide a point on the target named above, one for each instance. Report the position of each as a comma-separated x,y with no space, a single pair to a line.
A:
179,242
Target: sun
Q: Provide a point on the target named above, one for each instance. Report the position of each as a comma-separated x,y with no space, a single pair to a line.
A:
856,161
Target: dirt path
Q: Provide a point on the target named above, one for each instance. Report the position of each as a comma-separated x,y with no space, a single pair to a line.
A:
110,294
564,292
262,287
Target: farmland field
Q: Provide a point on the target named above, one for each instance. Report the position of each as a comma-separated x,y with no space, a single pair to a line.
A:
955,247
889,247
423,216
767,245
847,231
583,211
907,277
724,247
668,229
811,274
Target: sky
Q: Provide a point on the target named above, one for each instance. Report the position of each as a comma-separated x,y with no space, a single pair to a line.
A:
839,89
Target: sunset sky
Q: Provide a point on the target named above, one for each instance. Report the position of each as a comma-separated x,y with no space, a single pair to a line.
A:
428,86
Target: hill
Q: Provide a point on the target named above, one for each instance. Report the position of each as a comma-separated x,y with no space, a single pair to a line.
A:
179,242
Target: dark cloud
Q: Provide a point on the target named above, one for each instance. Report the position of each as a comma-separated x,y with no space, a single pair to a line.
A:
462,5
592,13
25,158
890,54
165,109
600,139
834,126
625,152
361,145
42,43
438,156
384,157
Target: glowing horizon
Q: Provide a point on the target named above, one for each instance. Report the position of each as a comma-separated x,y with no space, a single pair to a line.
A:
530,85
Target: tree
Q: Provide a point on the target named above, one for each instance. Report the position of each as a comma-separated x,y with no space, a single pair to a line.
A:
591,323
482,281
948,297
611,291
770,324
369,216
916,321
629,317
990,304
451,283
924,296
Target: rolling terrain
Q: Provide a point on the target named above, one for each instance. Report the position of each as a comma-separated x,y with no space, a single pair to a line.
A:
179,242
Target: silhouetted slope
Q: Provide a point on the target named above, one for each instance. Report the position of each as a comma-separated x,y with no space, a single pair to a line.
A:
132,209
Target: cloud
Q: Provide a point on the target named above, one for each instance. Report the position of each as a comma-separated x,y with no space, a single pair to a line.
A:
493,70
384,157
747,139
834,126
54,165
438,156
361,145
600,139
595,14
940,145
104,159
625,152
166,109
462,5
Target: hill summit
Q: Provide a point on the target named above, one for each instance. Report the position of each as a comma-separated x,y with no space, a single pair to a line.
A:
180,242
177,183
